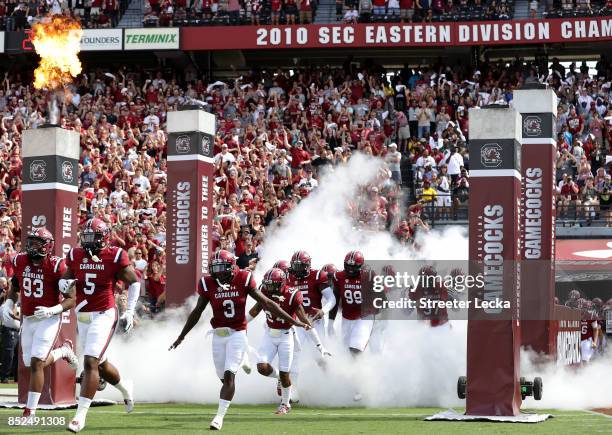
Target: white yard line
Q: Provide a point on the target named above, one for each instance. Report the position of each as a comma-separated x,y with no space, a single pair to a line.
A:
601,414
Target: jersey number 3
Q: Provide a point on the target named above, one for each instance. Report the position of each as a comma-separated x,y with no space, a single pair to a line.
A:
33,287
90,286
228,310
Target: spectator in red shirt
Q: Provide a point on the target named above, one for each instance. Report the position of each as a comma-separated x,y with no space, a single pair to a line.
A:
406,10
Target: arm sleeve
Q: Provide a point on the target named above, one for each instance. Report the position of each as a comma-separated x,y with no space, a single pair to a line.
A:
330,299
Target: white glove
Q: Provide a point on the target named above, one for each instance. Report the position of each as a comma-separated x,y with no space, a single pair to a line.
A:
324,352
66,284
46,312
128,318
7,310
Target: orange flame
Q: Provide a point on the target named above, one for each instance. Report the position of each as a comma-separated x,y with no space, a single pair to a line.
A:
57,40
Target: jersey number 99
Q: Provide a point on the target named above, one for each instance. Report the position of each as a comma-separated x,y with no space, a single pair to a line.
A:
352,297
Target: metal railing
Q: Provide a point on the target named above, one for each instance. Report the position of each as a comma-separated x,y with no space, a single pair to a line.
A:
572,215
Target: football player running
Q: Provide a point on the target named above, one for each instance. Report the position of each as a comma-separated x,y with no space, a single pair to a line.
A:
36,283
96,266
279,337
226,290
353,285
318,300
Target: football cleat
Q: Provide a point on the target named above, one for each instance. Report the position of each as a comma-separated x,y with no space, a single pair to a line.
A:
69,355
129,400
283,409
279,387
216,423
27,418
75,426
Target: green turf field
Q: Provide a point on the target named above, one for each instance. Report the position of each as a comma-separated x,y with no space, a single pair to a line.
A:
193,419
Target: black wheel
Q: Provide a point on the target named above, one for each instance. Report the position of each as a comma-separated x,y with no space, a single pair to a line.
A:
461,387
538,388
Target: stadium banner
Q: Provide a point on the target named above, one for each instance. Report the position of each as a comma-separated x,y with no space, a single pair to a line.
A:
152,39
494,334
397,34
50,173
1,42
102,40
565,332
190,195
538,108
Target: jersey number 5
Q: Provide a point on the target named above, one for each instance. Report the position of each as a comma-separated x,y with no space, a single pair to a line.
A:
90,286
229,310
32,287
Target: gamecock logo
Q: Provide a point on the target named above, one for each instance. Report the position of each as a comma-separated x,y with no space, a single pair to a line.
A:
532,126
490,155
38,170
183,144
206,145
67,173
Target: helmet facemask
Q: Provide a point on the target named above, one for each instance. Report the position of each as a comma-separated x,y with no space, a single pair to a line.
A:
36,248
222,271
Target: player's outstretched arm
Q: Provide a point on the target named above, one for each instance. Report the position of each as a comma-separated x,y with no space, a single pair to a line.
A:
192,320
300,314
253,312
271,306
329,302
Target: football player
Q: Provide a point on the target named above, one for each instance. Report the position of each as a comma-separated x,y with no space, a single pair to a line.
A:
226,290
354,287
318,300
279,335
97,266
589,330
36,283
431,291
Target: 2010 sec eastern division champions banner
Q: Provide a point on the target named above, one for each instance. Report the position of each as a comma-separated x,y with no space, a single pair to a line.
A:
398,34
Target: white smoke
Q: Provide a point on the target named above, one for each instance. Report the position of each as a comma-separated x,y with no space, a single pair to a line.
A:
419,365
571,387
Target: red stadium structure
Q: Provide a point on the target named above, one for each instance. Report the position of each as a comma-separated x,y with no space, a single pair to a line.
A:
190,183
50,175
538,154
494,335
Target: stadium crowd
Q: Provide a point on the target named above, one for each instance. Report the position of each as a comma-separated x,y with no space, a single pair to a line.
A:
277,133
19,15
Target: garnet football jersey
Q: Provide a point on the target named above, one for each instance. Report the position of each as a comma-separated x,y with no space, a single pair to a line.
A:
38,285
311,288
437,316
289,300
228,301
96,279
356,297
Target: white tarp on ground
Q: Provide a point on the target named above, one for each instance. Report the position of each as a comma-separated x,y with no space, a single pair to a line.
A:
96,402
452,415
